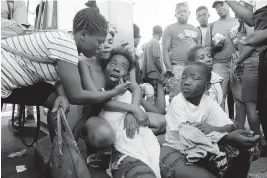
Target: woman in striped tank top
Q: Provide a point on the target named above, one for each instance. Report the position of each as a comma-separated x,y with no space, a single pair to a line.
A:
30,61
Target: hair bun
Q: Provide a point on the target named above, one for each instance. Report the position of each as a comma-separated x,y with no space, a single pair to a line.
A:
92,4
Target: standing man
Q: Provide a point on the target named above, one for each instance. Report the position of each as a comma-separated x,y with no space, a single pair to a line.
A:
203,15
152,59
137,38
178,39
223,56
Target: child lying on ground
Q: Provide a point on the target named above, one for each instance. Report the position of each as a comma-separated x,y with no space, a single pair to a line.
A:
195,122
141,149
201,54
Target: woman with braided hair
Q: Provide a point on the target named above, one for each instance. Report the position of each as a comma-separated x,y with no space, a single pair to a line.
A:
30,61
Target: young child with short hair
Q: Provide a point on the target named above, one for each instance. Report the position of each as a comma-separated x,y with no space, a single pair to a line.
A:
195,122
201,54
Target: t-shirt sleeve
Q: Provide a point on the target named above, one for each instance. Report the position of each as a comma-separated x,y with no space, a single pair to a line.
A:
166,35
156,50
176,113
217,117
64,49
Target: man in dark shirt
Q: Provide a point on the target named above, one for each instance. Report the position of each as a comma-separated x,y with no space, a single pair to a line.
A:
152,59
137,38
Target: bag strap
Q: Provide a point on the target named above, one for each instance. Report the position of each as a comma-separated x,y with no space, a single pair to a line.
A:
200,34
24,55
66,124
10,11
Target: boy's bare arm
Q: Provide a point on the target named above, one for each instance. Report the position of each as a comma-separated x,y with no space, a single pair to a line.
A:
159,105
226,128
207,128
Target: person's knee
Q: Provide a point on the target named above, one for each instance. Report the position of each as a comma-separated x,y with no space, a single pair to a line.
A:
98,133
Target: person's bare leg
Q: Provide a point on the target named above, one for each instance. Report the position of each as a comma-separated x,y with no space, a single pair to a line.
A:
98,133
253,118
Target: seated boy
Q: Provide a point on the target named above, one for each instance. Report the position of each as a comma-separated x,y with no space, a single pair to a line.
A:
201,54
192,107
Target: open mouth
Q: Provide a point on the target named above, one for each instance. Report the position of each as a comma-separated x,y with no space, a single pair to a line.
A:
114,78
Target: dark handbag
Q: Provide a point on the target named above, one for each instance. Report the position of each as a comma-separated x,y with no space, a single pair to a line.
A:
66,160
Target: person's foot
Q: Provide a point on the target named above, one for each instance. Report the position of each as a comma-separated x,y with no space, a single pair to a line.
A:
29,118
256,153
263,141
99,159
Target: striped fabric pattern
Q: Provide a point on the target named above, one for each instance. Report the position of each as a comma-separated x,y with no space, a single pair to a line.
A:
19,72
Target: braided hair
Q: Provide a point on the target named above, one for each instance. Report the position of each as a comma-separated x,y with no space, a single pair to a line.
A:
91,20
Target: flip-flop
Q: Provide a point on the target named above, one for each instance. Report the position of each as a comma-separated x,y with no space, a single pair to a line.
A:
255,153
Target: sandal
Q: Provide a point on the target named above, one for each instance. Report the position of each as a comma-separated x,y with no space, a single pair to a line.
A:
255,153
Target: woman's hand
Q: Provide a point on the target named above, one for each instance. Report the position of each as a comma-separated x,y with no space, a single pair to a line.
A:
234,65
131,126
122,88
63,102
255,39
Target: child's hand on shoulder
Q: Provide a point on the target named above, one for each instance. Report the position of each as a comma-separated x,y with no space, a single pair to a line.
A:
204,127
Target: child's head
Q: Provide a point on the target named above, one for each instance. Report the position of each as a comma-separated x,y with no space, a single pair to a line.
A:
104,52
195,80
199,54
119,66
90,31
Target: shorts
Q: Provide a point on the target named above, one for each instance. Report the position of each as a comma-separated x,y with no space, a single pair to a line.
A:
174,83
250,81
223,69
36,94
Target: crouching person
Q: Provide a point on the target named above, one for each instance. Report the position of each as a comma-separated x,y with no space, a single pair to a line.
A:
30,61
200,138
